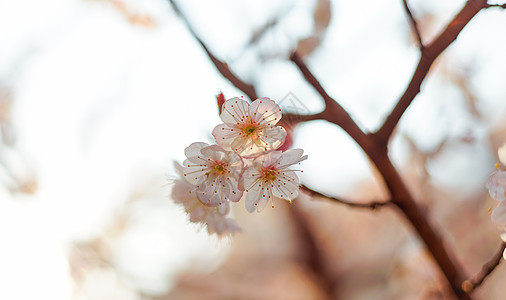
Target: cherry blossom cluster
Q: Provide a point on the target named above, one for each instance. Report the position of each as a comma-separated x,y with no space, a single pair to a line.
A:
243,164
496,186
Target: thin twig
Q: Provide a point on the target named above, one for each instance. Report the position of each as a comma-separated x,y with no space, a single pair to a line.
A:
369,205
414,25
333,111
311,79
496,5
222,67
429,55
486,269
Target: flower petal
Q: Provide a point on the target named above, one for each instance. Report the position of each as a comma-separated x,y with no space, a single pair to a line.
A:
265,111
270,158
257,197
273,137
225,135
250,176
234,111
496,185
217,190
291,157
499,215
286,185
194,173
194,149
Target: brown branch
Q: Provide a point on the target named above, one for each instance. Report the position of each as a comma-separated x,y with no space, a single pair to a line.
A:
400,195
222,67
333,111
311,79
414,25
369,205
486,269
496,5
429,55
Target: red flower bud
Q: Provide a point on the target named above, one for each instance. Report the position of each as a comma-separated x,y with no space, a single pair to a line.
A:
221,99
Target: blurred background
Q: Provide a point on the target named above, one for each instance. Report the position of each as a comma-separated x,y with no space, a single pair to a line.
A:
98,97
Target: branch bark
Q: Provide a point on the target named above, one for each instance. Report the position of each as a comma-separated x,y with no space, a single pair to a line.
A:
427,58
368,205
400,195
471,284
414,25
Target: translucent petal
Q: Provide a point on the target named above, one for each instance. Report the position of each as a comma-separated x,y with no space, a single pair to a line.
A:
193,173
217,190
250,176
194,149
273,137
257,197
496,185
215,152
265,111
225,135
221,225
499,215
224,208
270,158
197,214
286,185
234,194
245,145
291,157
234,111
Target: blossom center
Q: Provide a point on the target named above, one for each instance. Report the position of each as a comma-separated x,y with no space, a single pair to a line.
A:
269,175
219,169
249,130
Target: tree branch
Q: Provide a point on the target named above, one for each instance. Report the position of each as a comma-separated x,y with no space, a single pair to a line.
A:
428,56
311,79
496,5
369,205
414,25
222,67
486,269
400,195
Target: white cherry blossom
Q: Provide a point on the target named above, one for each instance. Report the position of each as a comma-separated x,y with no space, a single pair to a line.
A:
269,176
215,173
250,128
214,218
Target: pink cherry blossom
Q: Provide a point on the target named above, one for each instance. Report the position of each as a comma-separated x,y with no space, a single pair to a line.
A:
496,185
214,218
250,128
215,173
269,176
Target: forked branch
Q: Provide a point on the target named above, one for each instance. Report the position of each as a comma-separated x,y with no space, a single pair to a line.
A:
427,58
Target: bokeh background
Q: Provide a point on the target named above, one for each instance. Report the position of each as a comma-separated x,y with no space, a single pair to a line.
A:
99,97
